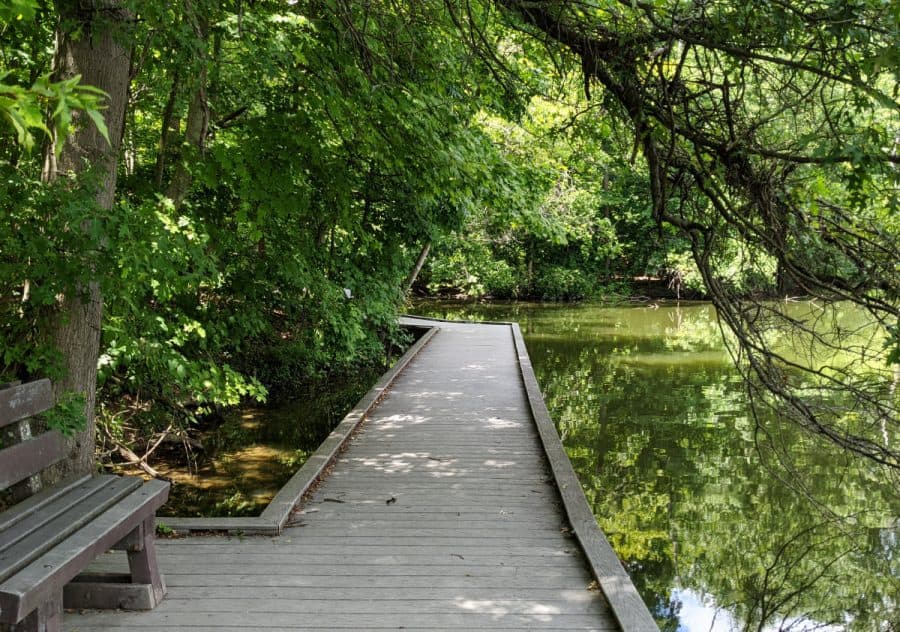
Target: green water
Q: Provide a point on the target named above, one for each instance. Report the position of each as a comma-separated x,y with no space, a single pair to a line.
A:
237,467
716,532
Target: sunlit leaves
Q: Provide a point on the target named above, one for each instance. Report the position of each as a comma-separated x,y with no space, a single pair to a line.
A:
17,10
23,108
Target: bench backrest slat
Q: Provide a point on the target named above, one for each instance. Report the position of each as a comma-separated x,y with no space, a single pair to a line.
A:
24,400
20,461
23,459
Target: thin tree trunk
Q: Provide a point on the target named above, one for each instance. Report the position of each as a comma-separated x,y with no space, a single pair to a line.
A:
529,280
88,43
414,273
167,120
197,124
195,133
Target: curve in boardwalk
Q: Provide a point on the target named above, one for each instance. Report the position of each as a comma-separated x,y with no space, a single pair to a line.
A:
443,513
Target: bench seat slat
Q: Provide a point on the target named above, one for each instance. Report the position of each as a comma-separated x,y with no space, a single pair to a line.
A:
20,461
41,516
26,549
28,588
38,501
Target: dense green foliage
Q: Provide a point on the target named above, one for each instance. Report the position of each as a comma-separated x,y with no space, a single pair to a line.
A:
586,224
272,243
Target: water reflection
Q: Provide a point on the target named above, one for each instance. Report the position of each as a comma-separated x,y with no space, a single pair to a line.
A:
722,524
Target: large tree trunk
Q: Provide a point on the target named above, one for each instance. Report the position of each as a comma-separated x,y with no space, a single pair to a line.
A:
88,43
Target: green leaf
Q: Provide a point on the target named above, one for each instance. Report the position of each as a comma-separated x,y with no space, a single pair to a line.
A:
99,121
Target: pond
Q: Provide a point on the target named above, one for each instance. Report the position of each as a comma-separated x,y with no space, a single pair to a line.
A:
235,468
715,533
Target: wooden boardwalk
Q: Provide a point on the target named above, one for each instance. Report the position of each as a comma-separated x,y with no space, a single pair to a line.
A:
442,514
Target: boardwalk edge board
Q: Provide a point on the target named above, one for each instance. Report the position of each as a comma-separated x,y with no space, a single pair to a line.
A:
275,516
624,600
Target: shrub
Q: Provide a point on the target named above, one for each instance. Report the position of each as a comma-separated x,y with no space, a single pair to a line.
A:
471,269
557,283
501,280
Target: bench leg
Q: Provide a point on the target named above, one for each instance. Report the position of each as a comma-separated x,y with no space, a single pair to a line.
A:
142,561
45,618
143,588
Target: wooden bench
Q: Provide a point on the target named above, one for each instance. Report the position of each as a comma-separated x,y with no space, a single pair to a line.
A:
50,537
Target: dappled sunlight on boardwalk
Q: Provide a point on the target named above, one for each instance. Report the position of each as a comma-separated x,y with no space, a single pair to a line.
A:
401,421
441,515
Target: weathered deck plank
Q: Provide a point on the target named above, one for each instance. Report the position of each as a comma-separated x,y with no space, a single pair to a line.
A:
441,515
